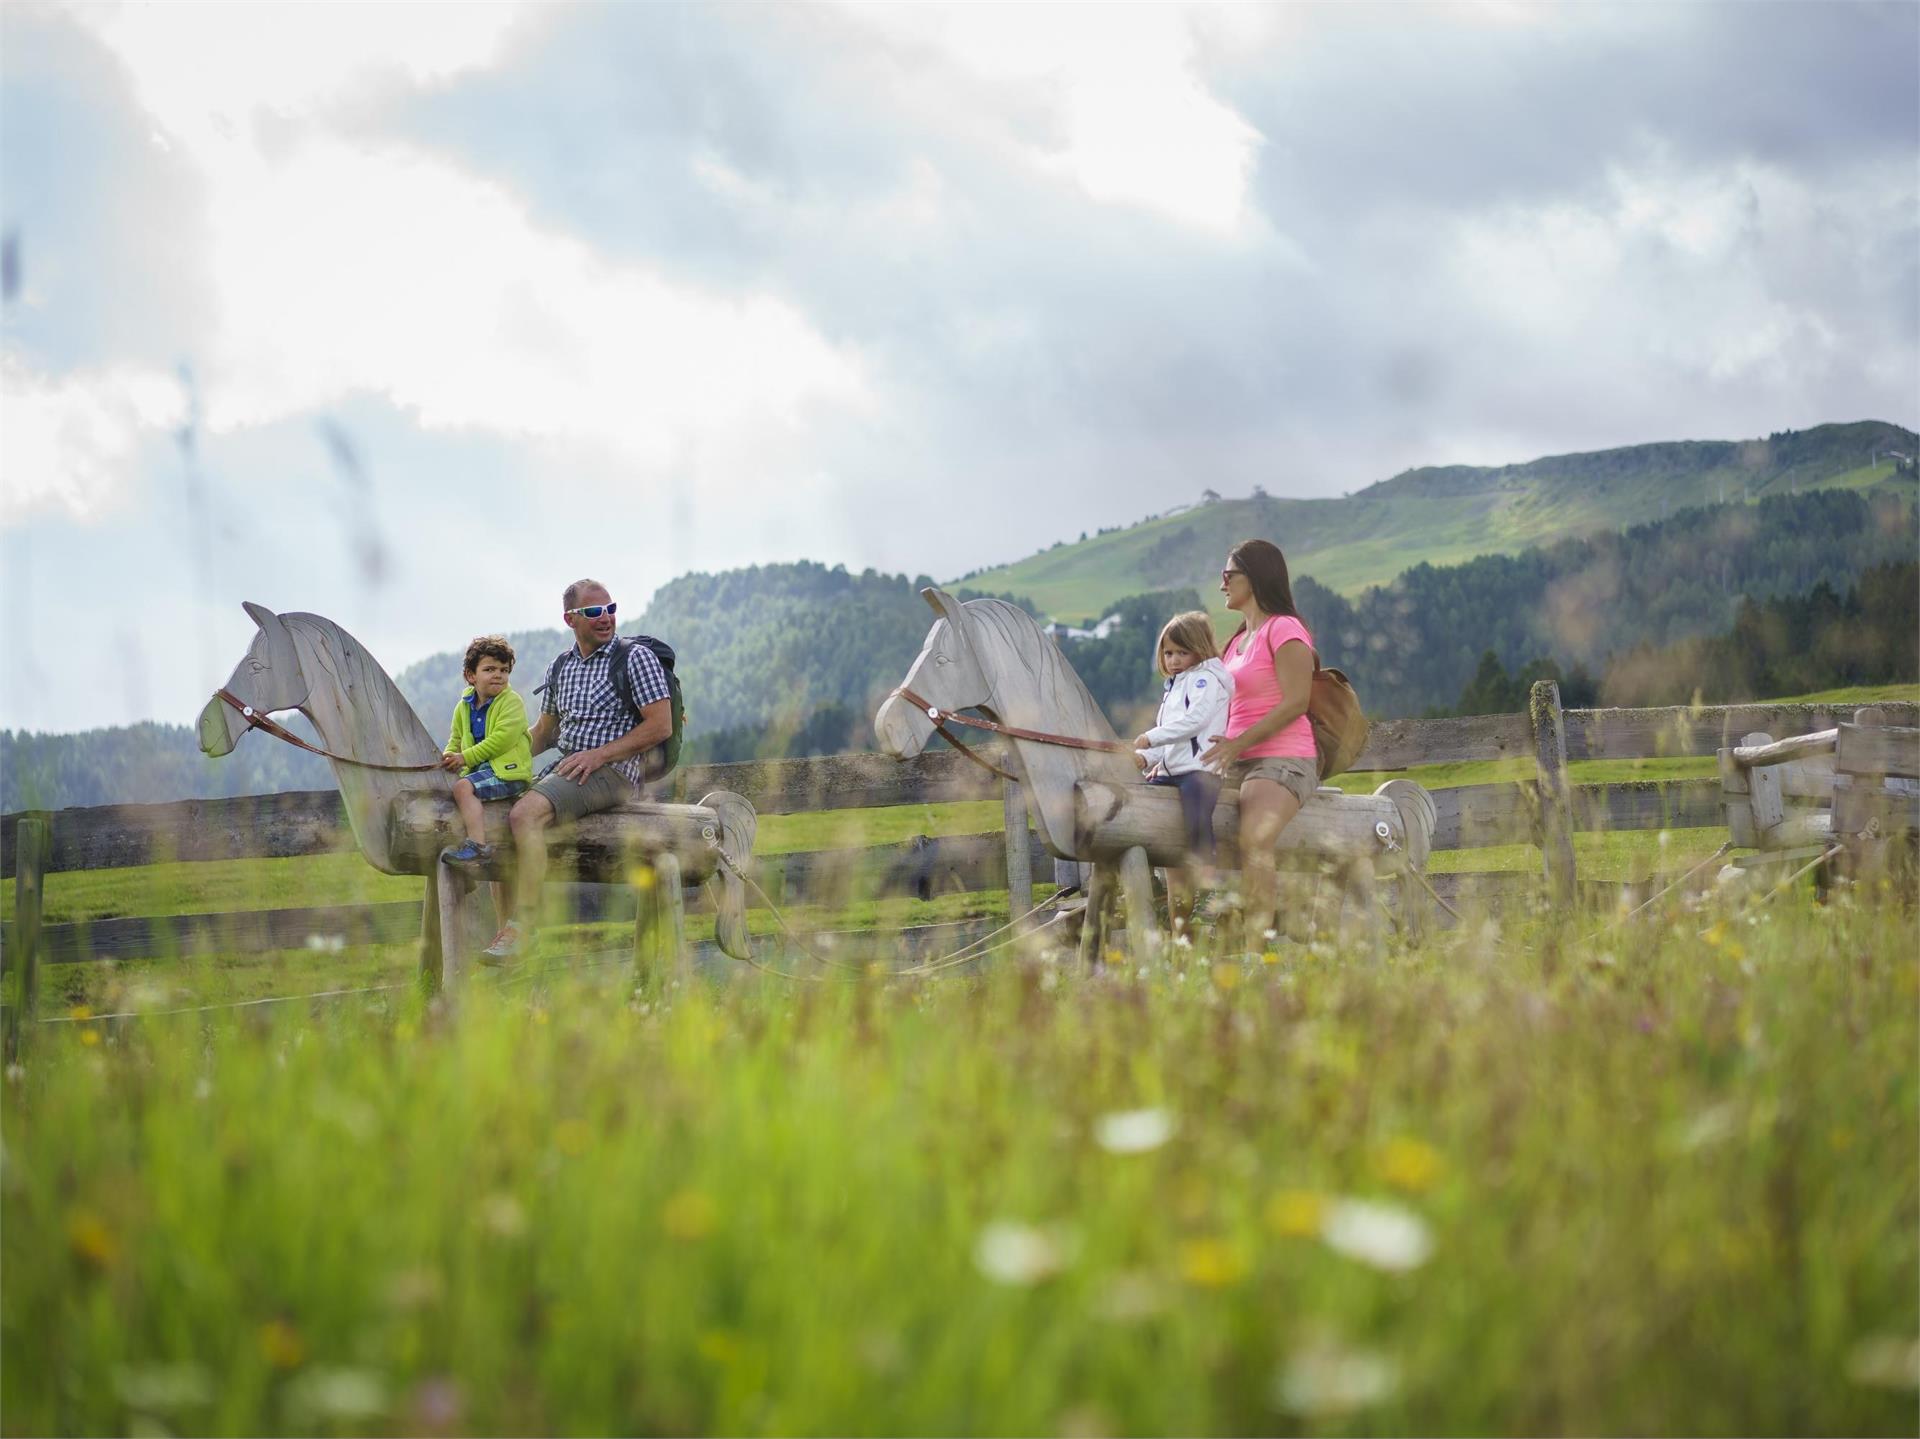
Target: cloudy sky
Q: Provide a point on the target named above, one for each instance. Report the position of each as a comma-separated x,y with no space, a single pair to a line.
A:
410,315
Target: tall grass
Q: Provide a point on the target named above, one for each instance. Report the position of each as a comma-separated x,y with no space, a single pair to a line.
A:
1657,1182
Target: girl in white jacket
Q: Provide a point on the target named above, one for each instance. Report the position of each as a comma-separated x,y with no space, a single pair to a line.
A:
1193,713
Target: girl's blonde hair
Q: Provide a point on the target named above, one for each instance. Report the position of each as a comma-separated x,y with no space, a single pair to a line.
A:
1192,632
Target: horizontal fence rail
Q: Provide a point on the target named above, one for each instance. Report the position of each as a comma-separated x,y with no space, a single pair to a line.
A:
1468,817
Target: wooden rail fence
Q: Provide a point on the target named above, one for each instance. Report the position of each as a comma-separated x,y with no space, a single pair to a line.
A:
1545,811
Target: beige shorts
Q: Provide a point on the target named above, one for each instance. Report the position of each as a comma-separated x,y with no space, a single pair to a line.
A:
1300,777
606,788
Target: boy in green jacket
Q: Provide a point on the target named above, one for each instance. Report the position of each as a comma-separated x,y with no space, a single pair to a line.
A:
488,747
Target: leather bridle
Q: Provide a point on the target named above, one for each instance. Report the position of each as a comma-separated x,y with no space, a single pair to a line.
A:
256,720
940,718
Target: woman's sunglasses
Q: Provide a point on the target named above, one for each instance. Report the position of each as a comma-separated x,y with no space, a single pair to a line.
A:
1226,576
593,612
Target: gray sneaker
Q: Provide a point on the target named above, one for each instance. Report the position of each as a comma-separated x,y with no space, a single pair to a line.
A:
508,947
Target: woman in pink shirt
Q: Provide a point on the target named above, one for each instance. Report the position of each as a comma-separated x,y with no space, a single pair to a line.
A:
1268,747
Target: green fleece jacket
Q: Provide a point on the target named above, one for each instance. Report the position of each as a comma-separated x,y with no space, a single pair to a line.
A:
506,744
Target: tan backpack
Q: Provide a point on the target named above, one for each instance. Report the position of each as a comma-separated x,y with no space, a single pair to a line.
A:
1339,724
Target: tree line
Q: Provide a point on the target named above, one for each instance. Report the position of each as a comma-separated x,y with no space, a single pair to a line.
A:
1795,593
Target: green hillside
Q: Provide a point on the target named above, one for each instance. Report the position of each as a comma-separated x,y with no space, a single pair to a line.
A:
1446,515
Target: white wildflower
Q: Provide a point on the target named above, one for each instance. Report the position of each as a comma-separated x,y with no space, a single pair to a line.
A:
347,1395
1134,1131
1386,1236
1012,1253
1886,1361
1329,1379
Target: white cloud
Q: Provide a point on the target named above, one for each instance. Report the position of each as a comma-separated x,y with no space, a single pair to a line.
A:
68,444
342,268
1134,124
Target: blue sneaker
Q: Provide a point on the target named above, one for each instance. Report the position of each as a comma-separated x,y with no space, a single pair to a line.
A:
470,855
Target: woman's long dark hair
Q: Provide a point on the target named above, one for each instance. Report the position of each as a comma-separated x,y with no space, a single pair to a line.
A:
1266,570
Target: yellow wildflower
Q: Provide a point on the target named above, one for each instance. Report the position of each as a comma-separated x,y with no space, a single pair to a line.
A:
1226,976
722,1346
281,1344
689,1215
91,1240
642,877
1296,1213
1409,1164
1212,1263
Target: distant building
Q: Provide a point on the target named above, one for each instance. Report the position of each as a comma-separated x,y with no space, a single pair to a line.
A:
1058,631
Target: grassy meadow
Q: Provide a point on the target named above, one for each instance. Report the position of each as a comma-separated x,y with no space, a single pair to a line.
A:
1651,1181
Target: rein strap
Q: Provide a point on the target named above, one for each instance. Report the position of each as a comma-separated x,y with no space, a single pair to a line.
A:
940,718
256,720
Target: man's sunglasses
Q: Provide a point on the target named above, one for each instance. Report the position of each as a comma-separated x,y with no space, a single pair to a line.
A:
593,612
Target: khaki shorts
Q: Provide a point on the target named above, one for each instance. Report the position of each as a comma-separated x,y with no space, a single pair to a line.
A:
1300,777
606,788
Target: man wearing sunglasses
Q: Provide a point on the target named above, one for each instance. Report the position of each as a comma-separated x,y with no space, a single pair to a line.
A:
605,757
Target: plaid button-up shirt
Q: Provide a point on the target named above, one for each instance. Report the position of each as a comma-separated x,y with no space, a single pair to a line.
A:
583,700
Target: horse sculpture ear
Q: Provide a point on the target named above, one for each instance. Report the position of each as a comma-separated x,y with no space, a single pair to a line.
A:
951,610
281,655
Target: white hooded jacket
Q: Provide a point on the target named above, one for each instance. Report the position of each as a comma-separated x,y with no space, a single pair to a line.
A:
1192,713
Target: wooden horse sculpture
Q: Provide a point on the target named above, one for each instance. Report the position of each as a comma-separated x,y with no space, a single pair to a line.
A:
1091,804
400,804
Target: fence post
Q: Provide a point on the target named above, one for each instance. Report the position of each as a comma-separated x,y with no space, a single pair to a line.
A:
30,847
1019,854
1556,817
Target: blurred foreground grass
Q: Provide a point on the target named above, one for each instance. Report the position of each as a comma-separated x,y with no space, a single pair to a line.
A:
1514,1182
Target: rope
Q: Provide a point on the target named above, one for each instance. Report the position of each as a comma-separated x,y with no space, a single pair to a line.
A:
1616,923
210,1008
960,955
1780,888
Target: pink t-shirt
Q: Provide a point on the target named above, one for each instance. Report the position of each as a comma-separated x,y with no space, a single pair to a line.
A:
1256,689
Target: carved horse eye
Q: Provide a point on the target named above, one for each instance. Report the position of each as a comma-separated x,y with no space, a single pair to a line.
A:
259,665
943,659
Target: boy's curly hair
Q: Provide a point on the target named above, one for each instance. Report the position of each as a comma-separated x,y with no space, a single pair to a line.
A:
487,647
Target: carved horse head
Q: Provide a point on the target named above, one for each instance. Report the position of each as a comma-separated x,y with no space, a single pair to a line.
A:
268,677
307,662
993,656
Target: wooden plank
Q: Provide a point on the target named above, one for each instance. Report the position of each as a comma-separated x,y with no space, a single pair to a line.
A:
1399,744
1763,787
1683,730
1876,750
1861,802
268,826
850,781
1800,746
250,931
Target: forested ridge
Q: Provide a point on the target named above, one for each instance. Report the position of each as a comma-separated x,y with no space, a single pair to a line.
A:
1797,592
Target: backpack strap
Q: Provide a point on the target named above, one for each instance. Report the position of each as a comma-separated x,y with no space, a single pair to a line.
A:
620,676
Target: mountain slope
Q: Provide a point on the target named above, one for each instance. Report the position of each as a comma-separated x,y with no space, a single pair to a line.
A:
1447,515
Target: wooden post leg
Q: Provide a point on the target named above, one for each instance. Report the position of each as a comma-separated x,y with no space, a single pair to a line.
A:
430,948
1411,896
1093,930
1556,809
660,925
460,926
1019,856
1143,926
671,898
31,843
